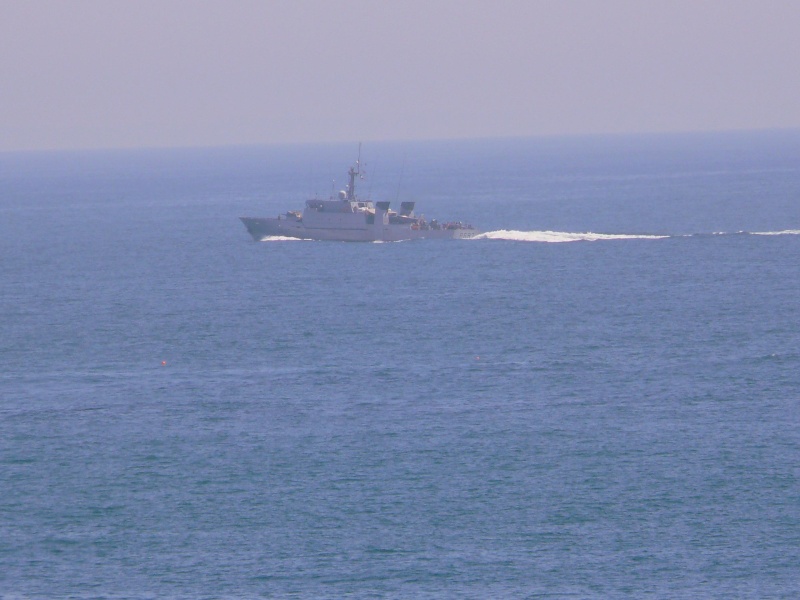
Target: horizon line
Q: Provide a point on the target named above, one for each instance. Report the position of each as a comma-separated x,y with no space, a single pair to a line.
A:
432,140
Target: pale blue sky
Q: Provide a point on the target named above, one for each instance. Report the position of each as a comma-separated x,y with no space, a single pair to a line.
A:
96,74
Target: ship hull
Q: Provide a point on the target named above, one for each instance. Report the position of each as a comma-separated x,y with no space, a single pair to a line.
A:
262,228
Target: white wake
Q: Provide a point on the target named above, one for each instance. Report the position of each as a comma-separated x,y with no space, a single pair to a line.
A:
282,238
561,236
784,232
552,237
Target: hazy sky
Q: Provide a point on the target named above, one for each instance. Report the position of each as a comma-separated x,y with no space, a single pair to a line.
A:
85,73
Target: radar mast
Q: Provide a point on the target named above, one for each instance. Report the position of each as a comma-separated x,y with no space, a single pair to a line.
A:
353,173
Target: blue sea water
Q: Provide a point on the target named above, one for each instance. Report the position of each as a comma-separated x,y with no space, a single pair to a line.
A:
186,413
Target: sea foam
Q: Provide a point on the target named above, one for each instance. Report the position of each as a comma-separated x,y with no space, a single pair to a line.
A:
282,238
561,236
784,232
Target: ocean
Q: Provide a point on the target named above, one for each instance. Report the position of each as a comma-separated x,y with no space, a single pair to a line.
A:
597,398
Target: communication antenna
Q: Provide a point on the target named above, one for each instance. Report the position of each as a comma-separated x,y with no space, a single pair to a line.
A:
371,179
400,181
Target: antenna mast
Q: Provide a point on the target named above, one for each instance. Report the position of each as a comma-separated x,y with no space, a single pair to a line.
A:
353,172
400,181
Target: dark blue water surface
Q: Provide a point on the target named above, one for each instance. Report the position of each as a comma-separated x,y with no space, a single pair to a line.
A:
187,413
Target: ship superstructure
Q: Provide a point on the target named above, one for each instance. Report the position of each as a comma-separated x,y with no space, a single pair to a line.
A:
352,219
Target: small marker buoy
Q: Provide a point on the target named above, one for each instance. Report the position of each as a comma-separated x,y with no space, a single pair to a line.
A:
477,358
163,363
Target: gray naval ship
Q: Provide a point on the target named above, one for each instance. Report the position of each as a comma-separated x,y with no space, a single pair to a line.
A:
351,219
